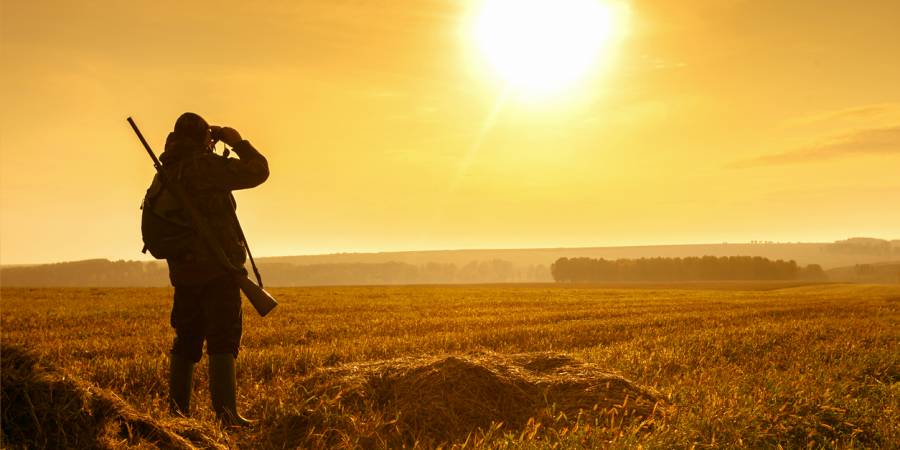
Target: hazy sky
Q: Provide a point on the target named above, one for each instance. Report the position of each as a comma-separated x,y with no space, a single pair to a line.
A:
385,129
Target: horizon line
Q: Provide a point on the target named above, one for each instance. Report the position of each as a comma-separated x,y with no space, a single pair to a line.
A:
376,252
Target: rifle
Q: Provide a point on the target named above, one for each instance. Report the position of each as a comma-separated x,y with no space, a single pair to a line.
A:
261,300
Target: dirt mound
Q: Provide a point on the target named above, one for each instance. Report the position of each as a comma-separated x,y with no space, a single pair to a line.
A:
43,408
445,399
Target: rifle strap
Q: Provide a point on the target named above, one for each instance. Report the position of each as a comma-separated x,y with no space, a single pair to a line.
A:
240,230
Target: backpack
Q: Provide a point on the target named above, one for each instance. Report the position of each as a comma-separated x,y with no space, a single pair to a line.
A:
165,228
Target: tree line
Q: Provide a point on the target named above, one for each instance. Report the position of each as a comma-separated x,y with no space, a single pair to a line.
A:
706,268
866,246
105,273
87,273
487,271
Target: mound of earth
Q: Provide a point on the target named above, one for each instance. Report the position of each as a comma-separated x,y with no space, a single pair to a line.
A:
43,408
445,399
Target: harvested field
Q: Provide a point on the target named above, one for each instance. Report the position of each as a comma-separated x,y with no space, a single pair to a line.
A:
479,366
444,399
43,408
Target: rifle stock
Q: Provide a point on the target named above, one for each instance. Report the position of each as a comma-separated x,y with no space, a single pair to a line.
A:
259,298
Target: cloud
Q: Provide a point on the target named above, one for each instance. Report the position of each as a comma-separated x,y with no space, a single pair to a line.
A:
863,112
872,141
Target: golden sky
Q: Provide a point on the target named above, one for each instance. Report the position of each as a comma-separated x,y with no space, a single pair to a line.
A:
387,129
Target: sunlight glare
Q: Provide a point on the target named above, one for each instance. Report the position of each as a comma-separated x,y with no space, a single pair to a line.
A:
542,46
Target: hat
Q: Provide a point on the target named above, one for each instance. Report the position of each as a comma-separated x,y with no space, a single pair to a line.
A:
192,126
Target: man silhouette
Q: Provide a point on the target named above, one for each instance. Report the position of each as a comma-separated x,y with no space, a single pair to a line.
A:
207,301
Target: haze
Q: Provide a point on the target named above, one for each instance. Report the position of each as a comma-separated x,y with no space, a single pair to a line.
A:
385,129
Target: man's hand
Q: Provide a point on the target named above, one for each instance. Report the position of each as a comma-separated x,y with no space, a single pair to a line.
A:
229,136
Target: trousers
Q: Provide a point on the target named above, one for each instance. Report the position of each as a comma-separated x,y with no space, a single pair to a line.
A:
209,312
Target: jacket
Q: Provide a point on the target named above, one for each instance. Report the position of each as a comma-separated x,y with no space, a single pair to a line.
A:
209,179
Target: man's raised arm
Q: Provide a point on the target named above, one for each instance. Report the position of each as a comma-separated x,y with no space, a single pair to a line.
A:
250,170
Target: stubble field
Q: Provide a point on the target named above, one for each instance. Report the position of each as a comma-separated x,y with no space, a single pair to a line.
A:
530,366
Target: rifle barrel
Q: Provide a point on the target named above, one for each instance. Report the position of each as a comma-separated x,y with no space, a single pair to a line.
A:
144,141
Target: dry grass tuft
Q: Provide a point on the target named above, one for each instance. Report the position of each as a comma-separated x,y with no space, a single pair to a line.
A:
43,408
440,400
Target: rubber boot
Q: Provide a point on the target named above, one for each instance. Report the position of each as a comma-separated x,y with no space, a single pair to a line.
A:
223,390
181,383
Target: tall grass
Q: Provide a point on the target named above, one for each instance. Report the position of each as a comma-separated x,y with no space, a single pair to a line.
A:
804,366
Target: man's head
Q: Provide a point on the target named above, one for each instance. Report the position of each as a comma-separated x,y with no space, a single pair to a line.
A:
191,126
191,135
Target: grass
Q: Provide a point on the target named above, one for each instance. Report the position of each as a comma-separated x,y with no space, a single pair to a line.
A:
740,366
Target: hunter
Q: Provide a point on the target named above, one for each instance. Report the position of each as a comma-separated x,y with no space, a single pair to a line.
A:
207,301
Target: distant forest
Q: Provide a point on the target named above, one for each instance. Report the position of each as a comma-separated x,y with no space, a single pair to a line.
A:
88,273
105,273
866,246
707,268
862,260
491,271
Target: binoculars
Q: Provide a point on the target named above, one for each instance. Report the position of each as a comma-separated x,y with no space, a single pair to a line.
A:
215,132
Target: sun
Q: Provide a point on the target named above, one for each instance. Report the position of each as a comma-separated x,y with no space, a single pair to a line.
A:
543,46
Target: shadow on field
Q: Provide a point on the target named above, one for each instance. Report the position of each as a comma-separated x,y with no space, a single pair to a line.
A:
448,399
43,408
